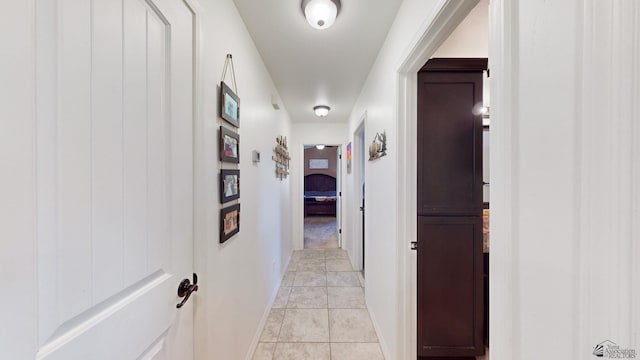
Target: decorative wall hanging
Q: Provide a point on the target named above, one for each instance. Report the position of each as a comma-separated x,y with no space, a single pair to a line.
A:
229,100
378,147
229,146
281,158
349,155
229,222
318,163
229,185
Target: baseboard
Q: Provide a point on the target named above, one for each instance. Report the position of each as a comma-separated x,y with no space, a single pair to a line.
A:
383,344
265,315
350,255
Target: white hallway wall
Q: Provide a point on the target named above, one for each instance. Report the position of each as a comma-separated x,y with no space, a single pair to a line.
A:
310,134
240,277
471,37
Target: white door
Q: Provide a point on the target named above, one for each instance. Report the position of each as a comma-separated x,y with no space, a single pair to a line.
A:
113,165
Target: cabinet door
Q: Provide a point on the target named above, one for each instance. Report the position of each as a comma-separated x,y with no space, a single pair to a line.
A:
450,293
449,144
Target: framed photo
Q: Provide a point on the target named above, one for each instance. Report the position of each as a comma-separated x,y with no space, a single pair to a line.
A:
229,185
318,163
229,105
349,155
229,146
229,222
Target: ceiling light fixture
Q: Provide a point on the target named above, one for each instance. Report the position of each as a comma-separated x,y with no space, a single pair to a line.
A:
321,110
320,14
319,147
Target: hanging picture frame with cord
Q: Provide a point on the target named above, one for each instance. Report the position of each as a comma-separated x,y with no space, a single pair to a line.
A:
229,105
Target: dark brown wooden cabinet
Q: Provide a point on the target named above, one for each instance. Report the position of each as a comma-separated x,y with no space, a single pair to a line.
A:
450,262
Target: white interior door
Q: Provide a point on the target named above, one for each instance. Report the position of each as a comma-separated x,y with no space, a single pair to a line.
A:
113,180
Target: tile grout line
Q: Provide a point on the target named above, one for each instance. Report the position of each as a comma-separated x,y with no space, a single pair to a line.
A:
328,315
282,322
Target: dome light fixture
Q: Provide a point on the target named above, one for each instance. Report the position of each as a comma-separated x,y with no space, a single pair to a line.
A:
319,147
321,110
320,14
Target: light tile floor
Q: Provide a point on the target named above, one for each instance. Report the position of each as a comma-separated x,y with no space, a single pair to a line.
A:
319,312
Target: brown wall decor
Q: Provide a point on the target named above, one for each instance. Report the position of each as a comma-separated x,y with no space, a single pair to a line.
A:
281,157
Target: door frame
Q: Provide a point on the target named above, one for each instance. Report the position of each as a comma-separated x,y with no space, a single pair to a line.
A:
358,178
339,186
433,32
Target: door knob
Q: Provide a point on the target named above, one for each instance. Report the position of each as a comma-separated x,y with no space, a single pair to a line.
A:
186,288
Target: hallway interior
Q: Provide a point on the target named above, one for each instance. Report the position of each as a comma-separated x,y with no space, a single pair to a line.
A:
128,161
319,312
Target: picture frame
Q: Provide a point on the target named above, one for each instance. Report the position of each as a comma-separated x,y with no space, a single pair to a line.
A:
318,163
229,146
229,222
349,156
229,185
229,105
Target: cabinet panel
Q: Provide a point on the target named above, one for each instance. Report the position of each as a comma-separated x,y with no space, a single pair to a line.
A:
450,284
449,144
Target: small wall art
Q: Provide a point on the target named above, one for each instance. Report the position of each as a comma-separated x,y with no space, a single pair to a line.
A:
229,105
281,157
229,222
318,163
349,155
229,146
378,147
229,185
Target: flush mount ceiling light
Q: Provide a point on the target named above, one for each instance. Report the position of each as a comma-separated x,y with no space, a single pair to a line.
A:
321,110
319,147
320,14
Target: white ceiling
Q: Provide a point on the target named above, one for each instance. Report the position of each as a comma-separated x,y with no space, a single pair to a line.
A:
318,67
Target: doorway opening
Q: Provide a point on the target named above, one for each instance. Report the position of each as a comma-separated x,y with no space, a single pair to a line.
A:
322,196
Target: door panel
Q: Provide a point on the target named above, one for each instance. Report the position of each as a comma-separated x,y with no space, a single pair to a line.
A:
449,285
114,179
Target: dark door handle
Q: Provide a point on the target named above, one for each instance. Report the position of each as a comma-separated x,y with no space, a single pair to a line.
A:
362,208
186,288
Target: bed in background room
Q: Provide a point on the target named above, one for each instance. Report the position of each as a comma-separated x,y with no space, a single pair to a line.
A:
319,195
